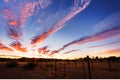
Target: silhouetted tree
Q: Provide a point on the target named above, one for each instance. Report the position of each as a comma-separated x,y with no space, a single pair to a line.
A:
112,59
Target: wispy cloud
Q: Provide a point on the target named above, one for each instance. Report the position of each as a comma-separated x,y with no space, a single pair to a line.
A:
6,1
5,48
116,50
43,50
96,37
53,52
60,24
110,52
16,17
17,45
71,51
109,22
108,44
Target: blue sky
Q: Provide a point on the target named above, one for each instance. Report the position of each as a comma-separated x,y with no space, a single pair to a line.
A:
44,14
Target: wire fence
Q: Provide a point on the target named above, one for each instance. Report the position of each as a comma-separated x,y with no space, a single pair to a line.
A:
85,68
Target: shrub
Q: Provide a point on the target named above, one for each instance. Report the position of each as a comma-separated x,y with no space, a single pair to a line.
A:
11,64
29,66
21,59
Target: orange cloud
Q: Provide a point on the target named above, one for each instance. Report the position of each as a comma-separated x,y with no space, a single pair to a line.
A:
3,47
39,39
111,52
43,50
6,49
18,47
13,23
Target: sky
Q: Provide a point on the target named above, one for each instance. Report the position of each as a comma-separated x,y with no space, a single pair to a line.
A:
59,28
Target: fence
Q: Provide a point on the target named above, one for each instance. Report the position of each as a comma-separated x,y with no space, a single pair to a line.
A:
85,68
69,69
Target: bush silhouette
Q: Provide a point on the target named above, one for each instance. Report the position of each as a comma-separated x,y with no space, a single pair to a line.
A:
11,64
21,59
29,66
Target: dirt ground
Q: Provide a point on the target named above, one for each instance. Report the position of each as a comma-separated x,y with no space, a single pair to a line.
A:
63,70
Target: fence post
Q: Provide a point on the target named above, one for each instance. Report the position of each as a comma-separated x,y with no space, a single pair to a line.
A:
92,64
51,66
55,67
76,65
64,69
84,69
109,65
89,70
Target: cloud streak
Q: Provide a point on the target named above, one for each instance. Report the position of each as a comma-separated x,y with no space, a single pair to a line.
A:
110,52
3,47
60,24
53,52
6,1
109,22
13,29
108,44
117,50
96,37
70,51
17,45
43,50
16,17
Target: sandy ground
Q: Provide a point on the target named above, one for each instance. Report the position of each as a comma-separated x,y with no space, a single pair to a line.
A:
64,70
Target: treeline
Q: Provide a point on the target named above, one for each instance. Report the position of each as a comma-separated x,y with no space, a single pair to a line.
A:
94,59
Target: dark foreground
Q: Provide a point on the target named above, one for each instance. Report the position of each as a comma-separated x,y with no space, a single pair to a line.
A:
60,69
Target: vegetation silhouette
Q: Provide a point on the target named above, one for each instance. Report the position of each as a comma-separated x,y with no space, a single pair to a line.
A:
11,64
29,66
45,68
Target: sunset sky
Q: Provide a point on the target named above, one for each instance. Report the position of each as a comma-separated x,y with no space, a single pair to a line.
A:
59,28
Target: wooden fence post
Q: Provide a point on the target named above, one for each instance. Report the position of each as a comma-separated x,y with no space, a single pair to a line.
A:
55,68
84,69
92,64
89,69
51,65
64,70
109,66
76,65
